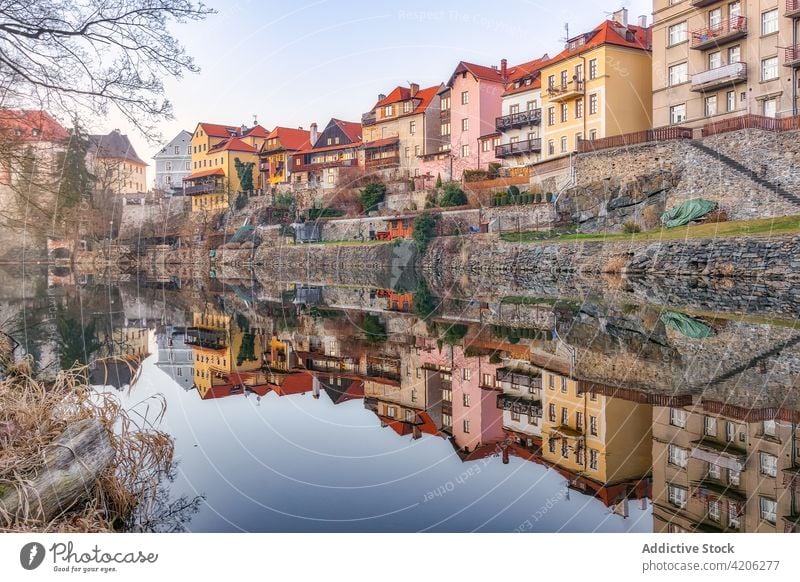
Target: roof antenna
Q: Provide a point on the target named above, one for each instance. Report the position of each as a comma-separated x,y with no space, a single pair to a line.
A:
566,32
255,119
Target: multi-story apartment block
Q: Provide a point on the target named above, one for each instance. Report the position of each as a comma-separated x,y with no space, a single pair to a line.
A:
276,153
598,86
175,357
521,401
117,167
723,468
718,59
174,163
332,154
400,129
521,119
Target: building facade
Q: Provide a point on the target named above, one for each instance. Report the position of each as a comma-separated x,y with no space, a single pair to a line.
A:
275,154
173,163
334,156
598,86
117,167
714,60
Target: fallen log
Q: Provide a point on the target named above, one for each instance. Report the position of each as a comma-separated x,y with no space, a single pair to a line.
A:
71,465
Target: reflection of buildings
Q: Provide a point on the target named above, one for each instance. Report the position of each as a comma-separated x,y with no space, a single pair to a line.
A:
722,468
175,357
122,350
521,402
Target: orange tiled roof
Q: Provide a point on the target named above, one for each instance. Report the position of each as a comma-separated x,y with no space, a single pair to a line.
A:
217,130
290,138
26,120
204,174
256,131
608,32
524,71
233,144
350,128
482,72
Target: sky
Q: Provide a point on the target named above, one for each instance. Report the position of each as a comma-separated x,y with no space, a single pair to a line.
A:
294,63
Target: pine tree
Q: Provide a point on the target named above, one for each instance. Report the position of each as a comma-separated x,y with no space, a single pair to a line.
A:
75,181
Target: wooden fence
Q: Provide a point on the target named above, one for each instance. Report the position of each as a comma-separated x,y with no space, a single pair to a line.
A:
752,122
646,136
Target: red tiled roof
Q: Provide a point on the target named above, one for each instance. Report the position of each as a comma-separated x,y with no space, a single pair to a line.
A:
400,94
481,72
340,146
350,128
381,142
233,144
204,173
290,138
26,120
295,383
256,131
608,32
523,71
395,96
216,130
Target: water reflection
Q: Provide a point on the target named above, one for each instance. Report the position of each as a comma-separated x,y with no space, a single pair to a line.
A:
486,412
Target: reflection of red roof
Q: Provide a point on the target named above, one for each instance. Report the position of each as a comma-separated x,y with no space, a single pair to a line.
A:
204,173
381,142
225,390
28,122
216,130
295,383
233,144
403,427
608,32
289,138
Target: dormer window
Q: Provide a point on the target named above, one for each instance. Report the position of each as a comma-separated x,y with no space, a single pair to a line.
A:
528,81
576,42
388,110
18,132
406,106
35,132
516,85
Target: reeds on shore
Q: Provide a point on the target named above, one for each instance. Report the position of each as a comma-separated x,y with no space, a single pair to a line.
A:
33,413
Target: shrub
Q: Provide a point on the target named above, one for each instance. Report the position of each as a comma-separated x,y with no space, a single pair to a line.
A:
439,180
494,170
372,195
631,227
240,201
549,197
454,334
538,198
453,196
374,330
513,191
424,231
615,264
284,200
475,175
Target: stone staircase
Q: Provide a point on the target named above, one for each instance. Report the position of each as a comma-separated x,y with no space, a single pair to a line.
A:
776,189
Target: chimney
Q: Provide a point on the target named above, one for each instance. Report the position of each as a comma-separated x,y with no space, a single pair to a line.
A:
313,137
504,68
621,16
414,89
243,129
643,21
381,96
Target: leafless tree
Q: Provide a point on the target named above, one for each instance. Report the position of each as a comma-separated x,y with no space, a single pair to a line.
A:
94,55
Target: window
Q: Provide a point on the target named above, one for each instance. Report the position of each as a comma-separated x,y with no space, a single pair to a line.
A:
533,420
579,72
714,60
734,477
593,101
768,428
593,425
714,472
390,411
551,81
486,146
464,97
513,109
730,431
551,147
677,113
564,78
715,18
734,9
710,105
188,165
593,459
770,107
713,510
388,110
531,105
551,412
710,426
677,496
579,421
177,150
677,417
407,152
734,54
563,385
168,166
769,21
330,177
466,374
564,448
730,101
579,108
733,516
564,417
445,129
551,116
487,380
551,445
466,399
678,33
768,464
580,455
767,509
678,74
466,426
447,420
677,456
563,144
465,124
417,151
445,103
465,151
515,416
593,136
592,69
412,127
406,106
769,69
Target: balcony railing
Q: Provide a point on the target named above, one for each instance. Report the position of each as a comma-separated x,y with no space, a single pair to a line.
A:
646,136
719,77
527,146
519,119
378,163
792,8
519,405
324,165
724,32
566,91
792,55
205,188
204,338
521,380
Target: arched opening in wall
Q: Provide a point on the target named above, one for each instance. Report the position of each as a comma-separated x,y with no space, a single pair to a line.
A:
60,253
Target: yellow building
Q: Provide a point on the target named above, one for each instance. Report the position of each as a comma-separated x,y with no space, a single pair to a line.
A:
598,86
116,165
592,435
276,153
224,354
215,149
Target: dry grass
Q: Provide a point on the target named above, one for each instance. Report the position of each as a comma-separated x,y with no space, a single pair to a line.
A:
615,264
33,414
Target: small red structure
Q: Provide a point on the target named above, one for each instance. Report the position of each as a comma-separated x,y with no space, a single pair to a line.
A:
400,228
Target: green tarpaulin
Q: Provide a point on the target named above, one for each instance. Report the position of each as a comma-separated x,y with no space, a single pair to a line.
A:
687,212
686,325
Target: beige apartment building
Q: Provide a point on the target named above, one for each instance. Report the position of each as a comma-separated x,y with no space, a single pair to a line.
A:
719,59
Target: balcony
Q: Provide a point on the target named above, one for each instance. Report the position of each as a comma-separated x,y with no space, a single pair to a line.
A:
528,146
720,77
519,405
380,163
702,3
792,9
206,338
312,167
792,56
519,380
566,92
205,188
519,119
719,34
368,119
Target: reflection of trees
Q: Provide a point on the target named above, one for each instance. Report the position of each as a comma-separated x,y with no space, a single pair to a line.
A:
247,352
161,514
76,341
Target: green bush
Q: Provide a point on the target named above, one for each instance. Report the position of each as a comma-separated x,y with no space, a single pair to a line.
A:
631,227
374,330
315,213
549,197
284,200
372,195
424,231
453,195
454,334
439,180
513,191
538,198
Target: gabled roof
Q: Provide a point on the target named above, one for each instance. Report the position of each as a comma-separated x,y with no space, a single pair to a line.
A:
114,145
256,131
350,128
217,130
204,174
519,73
608,32
25,121
396,95
290,138
423,99
233,144
491,74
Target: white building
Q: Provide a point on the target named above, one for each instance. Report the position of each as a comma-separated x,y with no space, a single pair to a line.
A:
176,358
521,120
174,162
